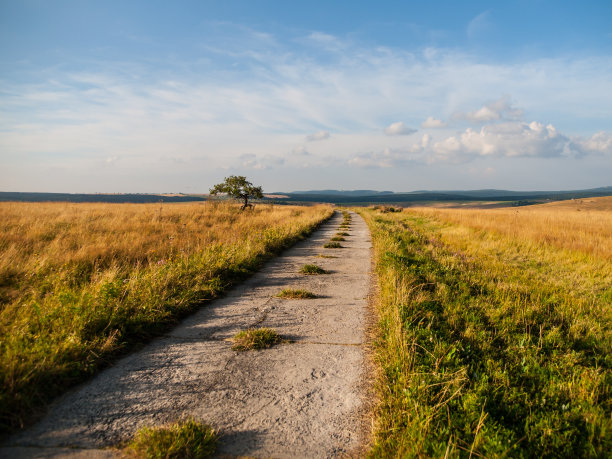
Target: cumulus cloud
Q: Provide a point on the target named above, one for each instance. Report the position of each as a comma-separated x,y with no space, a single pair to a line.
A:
321,135
509,139
433,123
501,109
399,128
598,143
506,139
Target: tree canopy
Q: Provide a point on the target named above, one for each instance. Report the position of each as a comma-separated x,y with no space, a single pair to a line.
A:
238,187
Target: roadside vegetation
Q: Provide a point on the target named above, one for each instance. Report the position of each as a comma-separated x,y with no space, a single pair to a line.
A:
256,338
82,283
185,439
494,332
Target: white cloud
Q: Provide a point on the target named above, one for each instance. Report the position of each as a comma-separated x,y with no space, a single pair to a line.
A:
321,135
598,143
501,109
264,94
433,123
506,139
399,128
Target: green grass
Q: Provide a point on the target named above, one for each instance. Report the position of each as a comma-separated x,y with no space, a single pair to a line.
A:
295,294
312,269
332,245
182,440
483,351
337,238
256,338
343,233
325,256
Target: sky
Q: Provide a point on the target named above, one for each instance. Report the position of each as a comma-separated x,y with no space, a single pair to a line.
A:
159,96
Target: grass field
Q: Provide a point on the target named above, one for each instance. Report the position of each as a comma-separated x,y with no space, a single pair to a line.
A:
82,283
495,331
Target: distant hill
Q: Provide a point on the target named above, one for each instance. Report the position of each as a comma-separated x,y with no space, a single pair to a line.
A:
342,192
364,197
118,198
349,197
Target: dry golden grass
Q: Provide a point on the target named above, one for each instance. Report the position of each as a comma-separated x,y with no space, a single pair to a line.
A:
81,282
39,238
583,226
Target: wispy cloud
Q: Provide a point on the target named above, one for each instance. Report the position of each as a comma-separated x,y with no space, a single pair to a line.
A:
261,98
321,135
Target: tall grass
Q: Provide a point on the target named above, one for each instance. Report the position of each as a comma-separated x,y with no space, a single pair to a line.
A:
491,342
81,283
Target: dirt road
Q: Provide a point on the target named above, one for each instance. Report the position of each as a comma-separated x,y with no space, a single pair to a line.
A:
299,399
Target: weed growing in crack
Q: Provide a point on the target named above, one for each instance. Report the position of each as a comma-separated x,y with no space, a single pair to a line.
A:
256,338
295,294
312,269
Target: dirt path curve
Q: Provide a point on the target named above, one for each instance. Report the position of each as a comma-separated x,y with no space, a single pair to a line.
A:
301,399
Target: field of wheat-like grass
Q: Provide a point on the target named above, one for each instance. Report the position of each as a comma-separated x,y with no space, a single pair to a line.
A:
495,332
81,283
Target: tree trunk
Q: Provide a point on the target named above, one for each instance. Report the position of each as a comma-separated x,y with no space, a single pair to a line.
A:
246,202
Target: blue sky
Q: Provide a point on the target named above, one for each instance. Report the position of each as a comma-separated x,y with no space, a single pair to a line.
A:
158,96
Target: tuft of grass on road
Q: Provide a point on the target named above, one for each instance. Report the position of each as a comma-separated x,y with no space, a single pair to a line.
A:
337,238
332,245
490,345
184,439
256,338
296,294
325,256
343,233
312,269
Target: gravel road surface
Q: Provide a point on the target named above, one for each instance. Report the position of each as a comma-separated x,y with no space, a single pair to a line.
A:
304,398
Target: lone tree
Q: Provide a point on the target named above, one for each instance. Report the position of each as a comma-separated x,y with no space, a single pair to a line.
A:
238,187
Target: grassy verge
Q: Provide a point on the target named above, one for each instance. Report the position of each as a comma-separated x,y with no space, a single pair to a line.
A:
82,283
187,439
488,344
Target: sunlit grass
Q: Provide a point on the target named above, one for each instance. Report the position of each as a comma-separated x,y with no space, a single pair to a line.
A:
185,439
256,338
491,343
81,283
